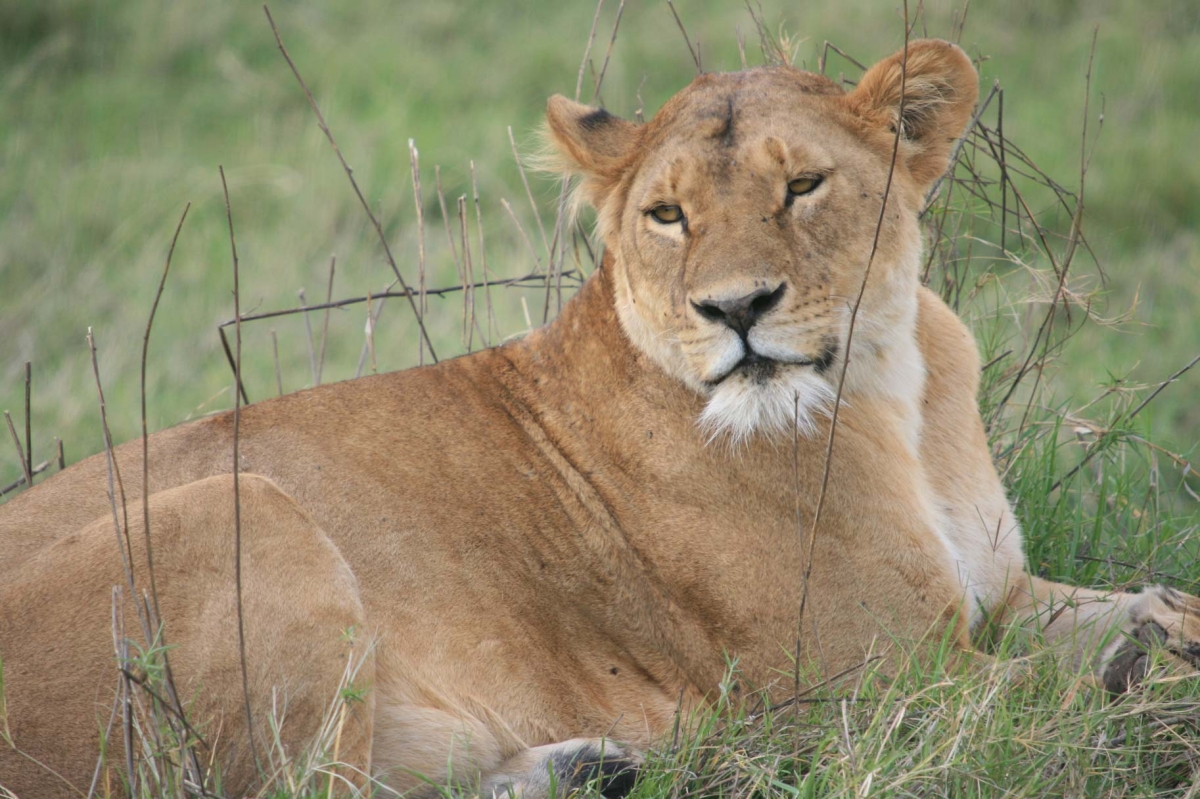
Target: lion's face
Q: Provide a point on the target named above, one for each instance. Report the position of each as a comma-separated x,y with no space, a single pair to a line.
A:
744,216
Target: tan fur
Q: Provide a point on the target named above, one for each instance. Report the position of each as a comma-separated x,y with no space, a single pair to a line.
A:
570,536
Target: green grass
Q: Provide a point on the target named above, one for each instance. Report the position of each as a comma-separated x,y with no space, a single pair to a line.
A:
114,115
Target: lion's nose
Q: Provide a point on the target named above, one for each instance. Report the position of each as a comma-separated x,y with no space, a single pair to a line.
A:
742,313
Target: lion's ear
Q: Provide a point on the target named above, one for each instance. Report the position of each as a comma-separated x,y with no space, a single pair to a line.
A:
939,86
590,142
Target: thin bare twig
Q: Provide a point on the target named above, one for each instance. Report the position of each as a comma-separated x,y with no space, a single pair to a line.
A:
145,429
528,192
437,176
837,403
241,389
932,193
175,706
490,322
470,322
20,481
608,52
823,61
28,419
278,370
325,325
686,38
370,335
530,281
25,469
116,486
387,250
537,262
588,49
237,496
414,161
312,346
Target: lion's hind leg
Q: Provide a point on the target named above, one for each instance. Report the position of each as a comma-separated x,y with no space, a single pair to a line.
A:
300,605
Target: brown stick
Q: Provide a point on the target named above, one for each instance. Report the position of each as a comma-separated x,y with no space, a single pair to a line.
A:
686,38
387,250
241,389
145,430
588,49
490,323
20,481
837,403
528,192
28,422
608,52
312,347
175,706
524,281
415,164
371,335
237,497
537,262
468,277
115,484
28,472
325,326
278,370
932,193
823,61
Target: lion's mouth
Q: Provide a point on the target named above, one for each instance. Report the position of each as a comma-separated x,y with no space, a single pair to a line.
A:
760,368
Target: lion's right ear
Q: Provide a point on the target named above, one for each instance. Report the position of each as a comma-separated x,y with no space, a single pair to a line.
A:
928,95
590,142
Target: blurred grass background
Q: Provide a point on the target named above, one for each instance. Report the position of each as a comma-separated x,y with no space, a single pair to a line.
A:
113,115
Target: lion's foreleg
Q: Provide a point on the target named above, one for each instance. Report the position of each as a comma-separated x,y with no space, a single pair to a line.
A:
1109,633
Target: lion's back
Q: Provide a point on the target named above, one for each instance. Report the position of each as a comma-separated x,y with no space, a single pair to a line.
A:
421,438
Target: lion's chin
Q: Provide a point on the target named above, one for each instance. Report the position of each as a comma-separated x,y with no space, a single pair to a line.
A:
745,405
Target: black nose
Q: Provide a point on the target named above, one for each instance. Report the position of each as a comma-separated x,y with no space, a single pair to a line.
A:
744,312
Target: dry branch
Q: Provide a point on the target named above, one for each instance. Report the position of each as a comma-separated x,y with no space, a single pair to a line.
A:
325,325
25,468
237,496
837,402
387,250
695,51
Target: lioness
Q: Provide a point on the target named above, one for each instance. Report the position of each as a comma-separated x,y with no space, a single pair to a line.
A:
565,539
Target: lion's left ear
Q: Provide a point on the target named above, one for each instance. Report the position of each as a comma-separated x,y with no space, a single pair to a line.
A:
940,87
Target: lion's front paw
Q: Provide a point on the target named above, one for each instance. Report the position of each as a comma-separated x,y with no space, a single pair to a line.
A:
1162,619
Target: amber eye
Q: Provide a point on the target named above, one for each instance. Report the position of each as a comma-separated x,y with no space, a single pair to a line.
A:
801,186
667,214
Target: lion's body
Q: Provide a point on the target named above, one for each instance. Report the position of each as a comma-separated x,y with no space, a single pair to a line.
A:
539,541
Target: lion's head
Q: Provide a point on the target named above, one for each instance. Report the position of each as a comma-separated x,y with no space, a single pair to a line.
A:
742,218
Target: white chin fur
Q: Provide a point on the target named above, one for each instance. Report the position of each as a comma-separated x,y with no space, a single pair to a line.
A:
741,406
